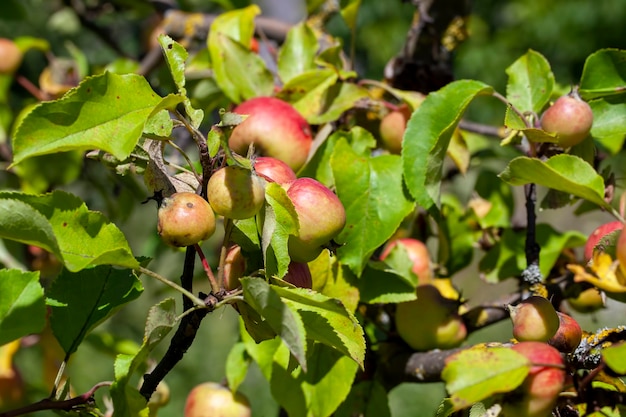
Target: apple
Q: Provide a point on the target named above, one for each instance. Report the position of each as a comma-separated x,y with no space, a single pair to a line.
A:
321,217
568,335
210,399
538,394
234,267
418,254
598,234
274,170
534,319
299,275
392,128
185,219
430,322
236,192
10,56
275,128
570,118
588,301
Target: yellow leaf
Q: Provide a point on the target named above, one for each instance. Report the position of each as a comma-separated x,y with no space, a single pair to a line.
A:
602,272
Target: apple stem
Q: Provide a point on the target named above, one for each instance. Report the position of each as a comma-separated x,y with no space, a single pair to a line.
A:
207,268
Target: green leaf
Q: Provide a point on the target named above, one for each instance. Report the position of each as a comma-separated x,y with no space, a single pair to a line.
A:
604,74
281,318
457,239
127,400
261,352
106,112
428,135
307,91
609,122
475,374
349,12
372,191
279,221
79,301
175,57
531,82
380,284
239,72
65,227
366,399
562,172
326,320
334,280
507,258
347,96
22,305
318,392
615,358
237,364
297,54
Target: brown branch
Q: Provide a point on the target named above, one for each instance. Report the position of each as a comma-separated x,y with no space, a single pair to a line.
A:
51,404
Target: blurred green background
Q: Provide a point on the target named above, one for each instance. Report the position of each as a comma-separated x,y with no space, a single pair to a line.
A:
565,31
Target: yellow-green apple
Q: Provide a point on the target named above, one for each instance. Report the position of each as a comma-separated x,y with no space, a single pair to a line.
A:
10,56
185,219
392,128
210,399
234,267
534,319
431,321
236,192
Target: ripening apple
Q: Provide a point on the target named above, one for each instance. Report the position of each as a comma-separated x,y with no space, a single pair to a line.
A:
275,128
236,192
392,128
210,399
430,322
10,56
274,170
569,334
185,219
570,118
321,217
418,254
534,319
620,250
598,234
234,267
299,275
538,394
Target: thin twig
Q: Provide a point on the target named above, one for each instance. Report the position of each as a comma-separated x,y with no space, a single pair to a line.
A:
197,301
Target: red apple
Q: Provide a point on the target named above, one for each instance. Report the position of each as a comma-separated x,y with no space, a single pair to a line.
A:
299,275
538,394
392,128
430,322
568,336
418,254
275,128
185,219
236,192
596,236
10,56
321,217
274,170
570,118
534,319
234,267
214,400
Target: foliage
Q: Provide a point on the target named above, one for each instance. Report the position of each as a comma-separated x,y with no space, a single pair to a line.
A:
332,349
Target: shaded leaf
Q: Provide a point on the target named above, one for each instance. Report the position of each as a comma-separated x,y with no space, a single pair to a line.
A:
380,284
615,358
237,364
609,123
297,54
428,135
106,112
22,305
561,172
80,301
307,91
366,399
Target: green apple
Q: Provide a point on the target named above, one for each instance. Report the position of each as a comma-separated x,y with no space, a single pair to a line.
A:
236,192
185,219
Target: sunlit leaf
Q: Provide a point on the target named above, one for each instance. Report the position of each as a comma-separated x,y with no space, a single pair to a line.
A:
603,272
530,82
604,74
22,305
297,54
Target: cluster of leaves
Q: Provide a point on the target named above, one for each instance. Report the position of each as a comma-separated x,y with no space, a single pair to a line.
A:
310,345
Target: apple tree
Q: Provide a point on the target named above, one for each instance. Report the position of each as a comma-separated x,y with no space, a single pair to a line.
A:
339,218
